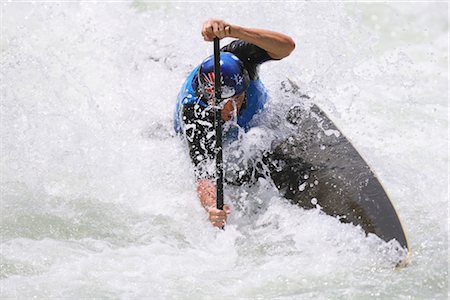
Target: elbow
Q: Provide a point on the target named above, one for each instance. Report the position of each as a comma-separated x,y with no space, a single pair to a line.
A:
290,46
286,50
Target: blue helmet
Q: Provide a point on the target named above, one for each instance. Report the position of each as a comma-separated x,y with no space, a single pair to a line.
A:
235,78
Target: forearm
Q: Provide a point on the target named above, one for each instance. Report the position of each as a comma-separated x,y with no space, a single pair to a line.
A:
276,44
206,191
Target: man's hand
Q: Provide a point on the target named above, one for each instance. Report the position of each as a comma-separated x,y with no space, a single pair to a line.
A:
215,28
206,191
217,217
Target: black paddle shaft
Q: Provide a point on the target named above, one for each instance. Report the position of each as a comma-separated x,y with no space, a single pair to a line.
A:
218,125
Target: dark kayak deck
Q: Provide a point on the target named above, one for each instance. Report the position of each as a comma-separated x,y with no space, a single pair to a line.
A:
319,166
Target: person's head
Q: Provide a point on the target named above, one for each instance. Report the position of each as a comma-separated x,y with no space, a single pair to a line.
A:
234,82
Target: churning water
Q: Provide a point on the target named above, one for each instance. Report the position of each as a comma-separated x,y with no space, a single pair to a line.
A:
98,196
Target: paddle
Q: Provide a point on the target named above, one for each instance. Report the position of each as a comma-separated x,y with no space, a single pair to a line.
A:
218,126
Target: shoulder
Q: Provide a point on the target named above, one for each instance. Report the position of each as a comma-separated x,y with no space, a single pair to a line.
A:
247,51
250,55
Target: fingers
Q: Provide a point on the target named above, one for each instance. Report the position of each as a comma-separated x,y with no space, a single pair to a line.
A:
215,28
227,209
217,217
219,30
207,32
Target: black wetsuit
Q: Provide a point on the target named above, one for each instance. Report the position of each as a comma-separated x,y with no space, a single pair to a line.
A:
198,121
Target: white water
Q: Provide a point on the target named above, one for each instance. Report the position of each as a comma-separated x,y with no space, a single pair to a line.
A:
98,196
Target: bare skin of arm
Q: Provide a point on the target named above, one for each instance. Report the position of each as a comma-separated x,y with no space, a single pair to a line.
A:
206,191
277,45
